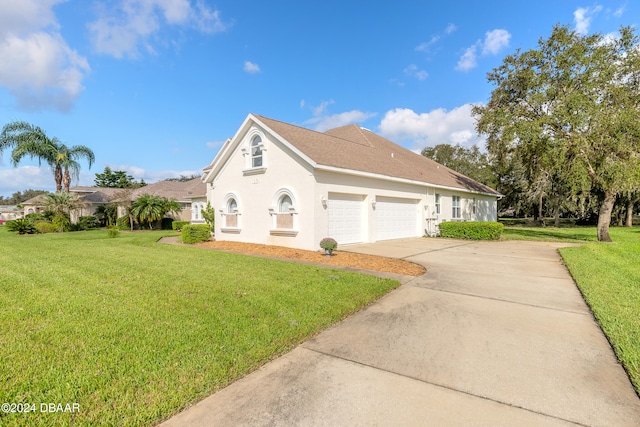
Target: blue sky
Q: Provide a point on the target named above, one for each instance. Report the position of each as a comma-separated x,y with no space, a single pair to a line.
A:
154,87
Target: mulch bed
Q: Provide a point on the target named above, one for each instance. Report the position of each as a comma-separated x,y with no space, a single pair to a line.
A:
339,258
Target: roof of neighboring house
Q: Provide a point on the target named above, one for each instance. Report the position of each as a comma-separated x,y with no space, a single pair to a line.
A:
9,208
175,190
355,148
34,201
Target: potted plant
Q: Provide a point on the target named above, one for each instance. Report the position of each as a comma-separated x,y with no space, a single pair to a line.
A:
329,245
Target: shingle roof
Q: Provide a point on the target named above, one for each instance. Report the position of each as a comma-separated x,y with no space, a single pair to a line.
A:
176,190
355,148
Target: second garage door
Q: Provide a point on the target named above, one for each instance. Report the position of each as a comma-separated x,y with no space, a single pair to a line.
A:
345,217
396,218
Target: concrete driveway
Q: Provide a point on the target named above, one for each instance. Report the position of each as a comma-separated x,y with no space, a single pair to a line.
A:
496,333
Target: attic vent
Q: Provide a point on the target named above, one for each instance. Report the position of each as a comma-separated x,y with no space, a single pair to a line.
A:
392,155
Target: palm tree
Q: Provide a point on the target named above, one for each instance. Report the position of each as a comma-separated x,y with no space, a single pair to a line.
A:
29,140
62,204
148,208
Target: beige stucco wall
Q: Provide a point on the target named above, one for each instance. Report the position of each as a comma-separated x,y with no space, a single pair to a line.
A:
256,194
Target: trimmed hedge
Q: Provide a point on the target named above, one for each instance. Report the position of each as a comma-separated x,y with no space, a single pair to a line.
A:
472,230
46,227
195,233
179,225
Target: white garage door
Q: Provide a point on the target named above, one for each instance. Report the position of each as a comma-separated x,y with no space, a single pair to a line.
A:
345,217
396,218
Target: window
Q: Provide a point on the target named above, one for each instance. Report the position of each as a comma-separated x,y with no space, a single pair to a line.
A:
437,204
283,212
230,214
256,152
456,207
474,205
285,204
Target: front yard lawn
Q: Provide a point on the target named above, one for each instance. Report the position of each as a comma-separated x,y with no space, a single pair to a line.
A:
133,331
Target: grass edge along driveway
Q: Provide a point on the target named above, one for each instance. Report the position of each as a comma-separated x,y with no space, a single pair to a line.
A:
133,331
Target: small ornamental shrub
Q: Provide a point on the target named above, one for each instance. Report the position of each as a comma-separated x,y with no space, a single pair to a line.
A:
195,233
87,222
113,232
472,230
45,227
179,225
329,244
21,226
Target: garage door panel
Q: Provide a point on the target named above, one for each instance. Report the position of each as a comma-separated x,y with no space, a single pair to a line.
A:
345,213
396,218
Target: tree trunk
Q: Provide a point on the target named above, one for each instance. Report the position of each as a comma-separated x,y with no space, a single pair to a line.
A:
57,175
556,216
629,217
66,181
604,216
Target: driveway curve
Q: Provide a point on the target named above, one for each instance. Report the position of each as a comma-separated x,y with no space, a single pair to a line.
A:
495,333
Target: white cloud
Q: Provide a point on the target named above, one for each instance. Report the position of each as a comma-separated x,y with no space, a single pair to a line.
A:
468,59
494,41
438,126
38,67
620,11
122,30
24,178
153,176
342,119
450,28
412,70
251,68
426,46
582,17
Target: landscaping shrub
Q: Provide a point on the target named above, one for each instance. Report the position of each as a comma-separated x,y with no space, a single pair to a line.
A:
45,227
87,222
21,226
113,232
472,230
195,233
179,225
167,223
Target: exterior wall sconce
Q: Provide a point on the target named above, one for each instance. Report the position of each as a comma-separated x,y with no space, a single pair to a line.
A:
323,200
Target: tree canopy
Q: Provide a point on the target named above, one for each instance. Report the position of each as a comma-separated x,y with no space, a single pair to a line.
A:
567,111
116,179
468,161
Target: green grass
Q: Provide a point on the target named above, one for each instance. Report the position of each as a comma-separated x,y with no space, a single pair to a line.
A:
133,331
608,275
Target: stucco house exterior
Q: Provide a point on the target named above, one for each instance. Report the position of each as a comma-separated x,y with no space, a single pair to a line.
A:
280,184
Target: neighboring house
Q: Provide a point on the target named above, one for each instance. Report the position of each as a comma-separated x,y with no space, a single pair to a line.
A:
189,194
33,205
10,212
184,192
280,184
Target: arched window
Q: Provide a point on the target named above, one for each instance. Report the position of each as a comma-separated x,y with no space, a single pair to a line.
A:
284,204
284,213
230,213
256,152
232,206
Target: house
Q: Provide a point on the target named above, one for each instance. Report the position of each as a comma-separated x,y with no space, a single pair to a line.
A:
280,184
190,194
10,212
